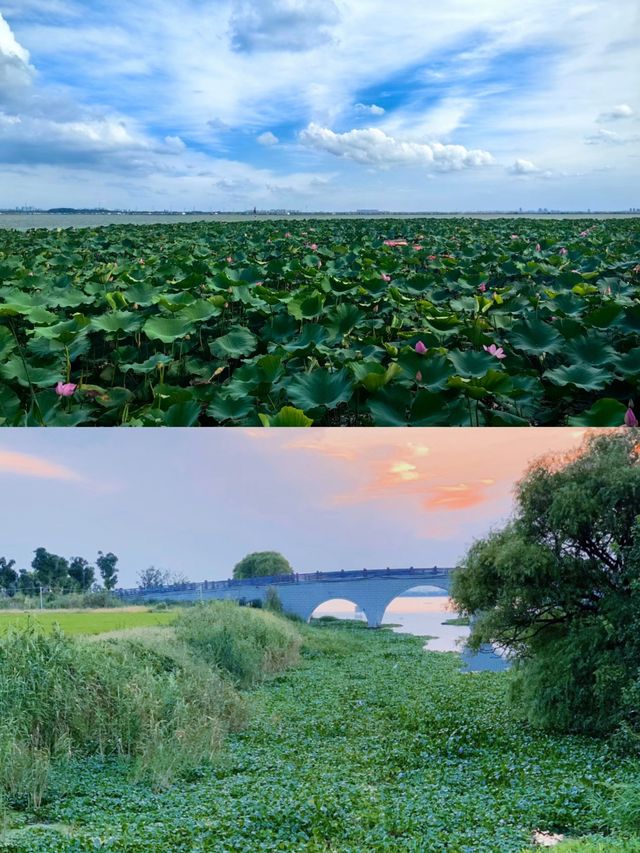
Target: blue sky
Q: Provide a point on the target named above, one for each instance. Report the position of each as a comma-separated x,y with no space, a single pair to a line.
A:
194,502
319,104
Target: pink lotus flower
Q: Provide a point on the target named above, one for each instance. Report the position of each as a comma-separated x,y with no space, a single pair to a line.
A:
563,251
514,236
538,247
584,233
630,419
417,247
495,350
431,257
420,348
418,376
65,389
229,260
288,234
313,247
395,243
482,287
385,277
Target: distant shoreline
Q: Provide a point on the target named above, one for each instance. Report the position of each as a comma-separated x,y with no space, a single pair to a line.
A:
24,221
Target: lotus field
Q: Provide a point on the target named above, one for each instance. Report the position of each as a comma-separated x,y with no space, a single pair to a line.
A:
387,322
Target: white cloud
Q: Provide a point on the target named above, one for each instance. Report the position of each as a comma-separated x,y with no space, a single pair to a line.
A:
618,112
373,147
523,167
610,137
370,109
272,25
267,138
16,72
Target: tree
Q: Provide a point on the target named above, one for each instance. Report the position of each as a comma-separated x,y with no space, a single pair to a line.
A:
50,570
152,578
107,567
8,575
262,564
81,573
559,588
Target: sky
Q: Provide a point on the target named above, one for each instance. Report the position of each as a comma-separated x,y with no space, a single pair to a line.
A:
320,104
194,502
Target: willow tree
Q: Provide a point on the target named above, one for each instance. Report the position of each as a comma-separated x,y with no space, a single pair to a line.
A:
559,588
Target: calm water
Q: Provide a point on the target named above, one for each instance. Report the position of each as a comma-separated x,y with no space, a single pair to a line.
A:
423,617
23,222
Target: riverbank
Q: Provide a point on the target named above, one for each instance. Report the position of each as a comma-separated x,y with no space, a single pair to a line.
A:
370,743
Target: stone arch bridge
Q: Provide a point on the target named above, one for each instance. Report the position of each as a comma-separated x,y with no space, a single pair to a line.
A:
371,590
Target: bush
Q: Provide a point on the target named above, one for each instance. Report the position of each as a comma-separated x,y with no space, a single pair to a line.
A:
247,643
145,697
262,564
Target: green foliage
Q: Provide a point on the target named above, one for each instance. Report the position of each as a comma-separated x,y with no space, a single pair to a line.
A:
369,744
156,326
245,642
106,564
262,564
559,587
153,578
272,601
162,699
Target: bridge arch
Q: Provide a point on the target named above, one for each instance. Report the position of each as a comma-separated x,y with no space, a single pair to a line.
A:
375,601
339,600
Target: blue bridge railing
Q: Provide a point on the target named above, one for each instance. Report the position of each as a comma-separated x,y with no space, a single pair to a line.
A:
303,577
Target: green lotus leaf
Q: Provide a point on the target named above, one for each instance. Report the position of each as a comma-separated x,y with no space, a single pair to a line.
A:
535,337
182,414
237,342
591,349
605,412
372,375
286,417
580,375
147,366
41,377
7,343
343,319
320,388
167,329
306,306
118,321
472,363
628,364
224,407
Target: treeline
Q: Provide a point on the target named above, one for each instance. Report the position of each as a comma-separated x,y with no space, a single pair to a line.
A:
52,573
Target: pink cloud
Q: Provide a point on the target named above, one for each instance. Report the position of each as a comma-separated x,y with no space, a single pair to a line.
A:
26,465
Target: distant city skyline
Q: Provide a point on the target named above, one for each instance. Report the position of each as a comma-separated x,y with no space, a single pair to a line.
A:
320,104
194,502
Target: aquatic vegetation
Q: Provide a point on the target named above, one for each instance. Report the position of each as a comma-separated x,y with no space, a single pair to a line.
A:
333,322
369,744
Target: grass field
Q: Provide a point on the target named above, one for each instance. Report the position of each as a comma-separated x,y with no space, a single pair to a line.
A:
87,621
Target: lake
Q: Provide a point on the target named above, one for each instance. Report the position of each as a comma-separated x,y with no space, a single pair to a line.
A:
423,617
25,221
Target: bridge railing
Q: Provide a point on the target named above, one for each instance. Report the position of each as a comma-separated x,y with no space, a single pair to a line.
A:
305,577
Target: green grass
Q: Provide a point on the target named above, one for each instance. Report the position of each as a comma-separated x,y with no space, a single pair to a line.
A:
87,621
370,744
457,620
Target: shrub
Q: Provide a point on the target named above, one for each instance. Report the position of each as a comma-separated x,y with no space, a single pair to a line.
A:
245,642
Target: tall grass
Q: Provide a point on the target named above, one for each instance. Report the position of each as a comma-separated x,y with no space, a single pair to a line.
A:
247,643
163,698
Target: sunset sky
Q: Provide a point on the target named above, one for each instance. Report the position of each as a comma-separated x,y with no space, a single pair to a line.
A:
319,104
196,501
